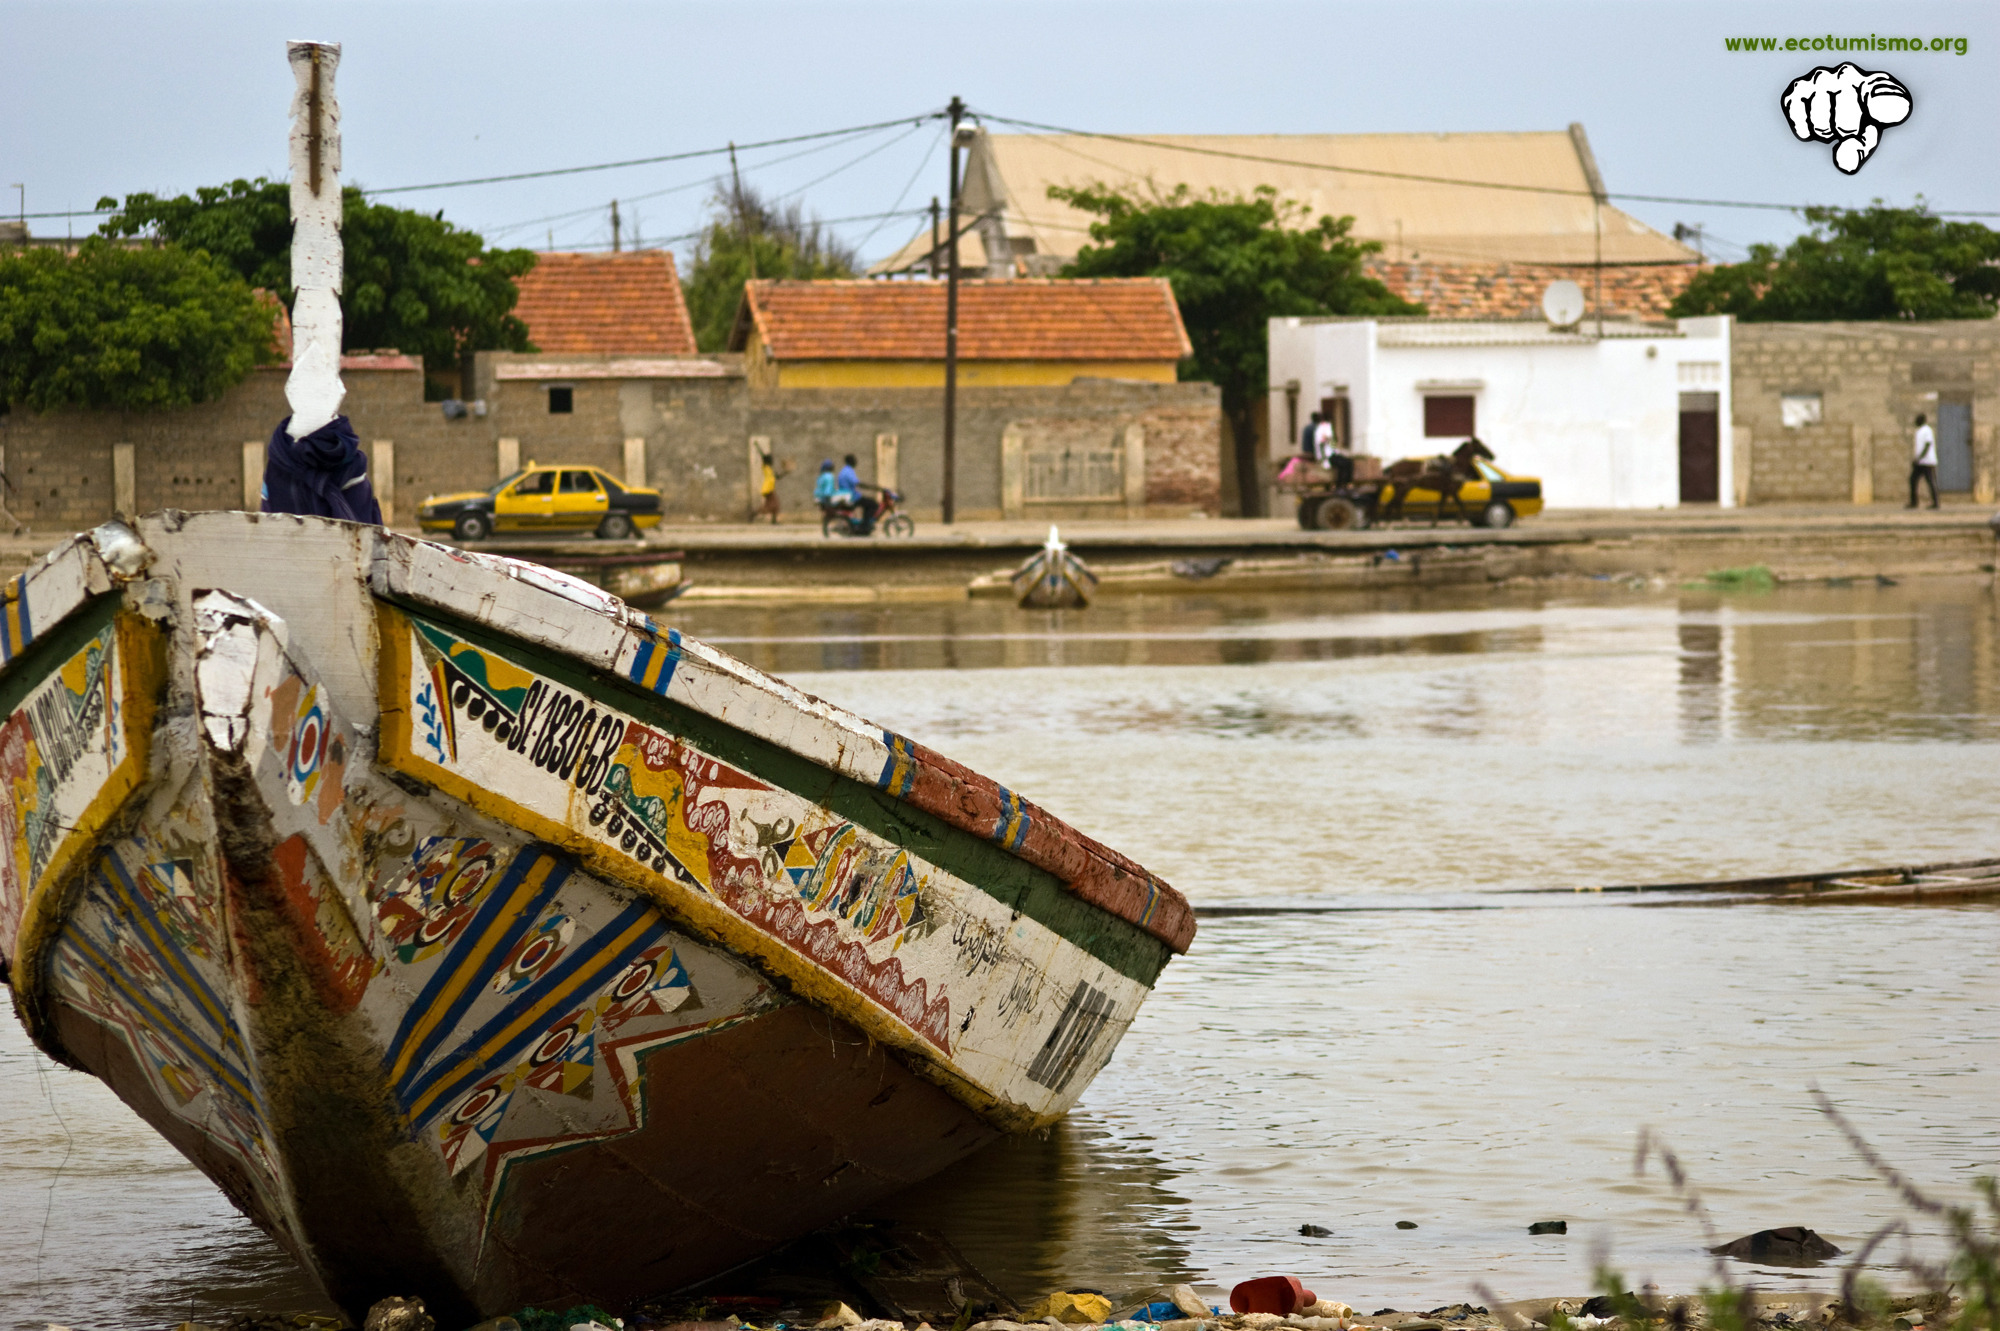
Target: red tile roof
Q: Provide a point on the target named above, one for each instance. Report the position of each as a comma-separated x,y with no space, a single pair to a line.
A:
606,303
1514,290
1111,319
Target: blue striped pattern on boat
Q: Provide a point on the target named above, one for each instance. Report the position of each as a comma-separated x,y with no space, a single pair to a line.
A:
899,771
17,623
592,962
1012,828
511,908
653,665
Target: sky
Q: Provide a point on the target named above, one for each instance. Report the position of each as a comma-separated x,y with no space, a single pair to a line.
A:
111,98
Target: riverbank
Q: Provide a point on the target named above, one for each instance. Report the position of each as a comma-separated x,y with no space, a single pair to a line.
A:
792,563
1755,1310
1796,543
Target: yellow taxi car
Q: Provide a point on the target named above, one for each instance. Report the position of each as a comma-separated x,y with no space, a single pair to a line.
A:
555,497
1493,498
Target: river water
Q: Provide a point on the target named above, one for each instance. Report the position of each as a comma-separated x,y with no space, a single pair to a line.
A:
1429,1038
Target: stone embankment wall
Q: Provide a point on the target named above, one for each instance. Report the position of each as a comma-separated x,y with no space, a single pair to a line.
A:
684,427
1871,379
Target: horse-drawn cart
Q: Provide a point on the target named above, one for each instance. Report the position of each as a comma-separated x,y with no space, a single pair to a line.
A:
1464,485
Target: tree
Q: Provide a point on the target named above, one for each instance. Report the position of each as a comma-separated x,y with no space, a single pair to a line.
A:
1234,263
747,237
1863,263
411,280
116,326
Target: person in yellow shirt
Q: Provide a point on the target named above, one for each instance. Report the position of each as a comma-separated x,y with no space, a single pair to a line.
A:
767,488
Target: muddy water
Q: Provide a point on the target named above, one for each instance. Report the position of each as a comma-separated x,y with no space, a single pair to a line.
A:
1432,1044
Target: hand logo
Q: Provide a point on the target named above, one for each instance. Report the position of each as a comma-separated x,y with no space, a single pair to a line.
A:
1847,107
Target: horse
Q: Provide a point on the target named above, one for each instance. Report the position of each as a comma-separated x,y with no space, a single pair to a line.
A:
1446,475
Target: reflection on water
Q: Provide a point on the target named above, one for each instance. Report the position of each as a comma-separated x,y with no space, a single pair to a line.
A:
1085,1204
1468,1070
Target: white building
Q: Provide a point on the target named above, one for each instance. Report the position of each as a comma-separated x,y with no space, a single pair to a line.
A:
1632,419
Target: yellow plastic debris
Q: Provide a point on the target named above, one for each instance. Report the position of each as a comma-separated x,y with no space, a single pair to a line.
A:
839,1315
1072,1309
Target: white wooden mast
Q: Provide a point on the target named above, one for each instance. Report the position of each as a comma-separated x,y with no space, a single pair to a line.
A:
314,388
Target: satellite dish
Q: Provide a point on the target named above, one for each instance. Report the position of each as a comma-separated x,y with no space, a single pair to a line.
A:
1562,303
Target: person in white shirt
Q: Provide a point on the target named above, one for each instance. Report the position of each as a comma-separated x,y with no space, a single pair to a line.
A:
1331,455
1923,463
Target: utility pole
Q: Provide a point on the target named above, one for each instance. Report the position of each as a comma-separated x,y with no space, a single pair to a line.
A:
742,213
614,226
935,241
957,112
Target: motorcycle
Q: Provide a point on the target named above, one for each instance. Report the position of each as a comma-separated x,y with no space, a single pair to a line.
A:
839,519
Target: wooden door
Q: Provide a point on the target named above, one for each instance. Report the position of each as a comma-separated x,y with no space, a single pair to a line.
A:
1701,464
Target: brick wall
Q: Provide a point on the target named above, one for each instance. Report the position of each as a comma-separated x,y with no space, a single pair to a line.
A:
807,424
59,465
1873,379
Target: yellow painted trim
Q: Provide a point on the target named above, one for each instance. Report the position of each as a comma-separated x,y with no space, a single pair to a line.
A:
695,910
971,373
142,658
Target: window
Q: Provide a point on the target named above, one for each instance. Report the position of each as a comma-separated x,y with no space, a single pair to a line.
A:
1799,410
1448,418
562,399
536,483
578,483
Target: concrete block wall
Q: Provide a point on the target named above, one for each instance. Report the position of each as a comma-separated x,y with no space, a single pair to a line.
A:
1873,379
59,465
1183,424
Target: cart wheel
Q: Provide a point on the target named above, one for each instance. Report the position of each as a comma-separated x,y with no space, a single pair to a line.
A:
1337,514
615,527
1309,512
1497,514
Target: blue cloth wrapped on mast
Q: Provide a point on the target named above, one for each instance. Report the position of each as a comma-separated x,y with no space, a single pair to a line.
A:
323,474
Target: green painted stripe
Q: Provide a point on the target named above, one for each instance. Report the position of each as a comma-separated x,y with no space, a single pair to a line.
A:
1008,879
45,655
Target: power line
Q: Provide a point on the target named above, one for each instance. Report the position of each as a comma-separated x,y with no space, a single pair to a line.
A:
1423,179
507,227
665,157
596,166
665,241
922,165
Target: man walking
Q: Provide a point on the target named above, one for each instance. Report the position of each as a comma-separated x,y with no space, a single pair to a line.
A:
1923,463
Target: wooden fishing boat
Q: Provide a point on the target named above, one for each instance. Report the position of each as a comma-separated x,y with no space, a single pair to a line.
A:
1053,579
486,940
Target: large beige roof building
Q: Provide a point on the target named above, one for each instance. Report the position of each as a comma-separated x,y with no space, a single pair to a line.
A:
1449,199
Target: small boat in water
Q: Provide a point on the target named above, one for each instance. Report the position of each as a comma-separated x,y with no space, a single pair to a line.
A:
1053,578
486,940
636,572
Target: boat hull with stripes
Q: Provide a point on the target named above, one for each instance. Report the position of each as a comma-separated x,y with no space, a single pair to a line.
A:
484,939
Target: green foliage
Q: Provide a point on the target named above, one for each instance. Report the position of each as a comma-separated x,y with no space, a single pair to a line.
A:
134,328
1750,578
747,237
1234,263
411,280
1863,263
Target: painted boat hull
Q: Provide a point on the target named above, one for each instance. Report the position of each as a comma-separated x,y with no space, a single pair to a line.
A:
485,941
